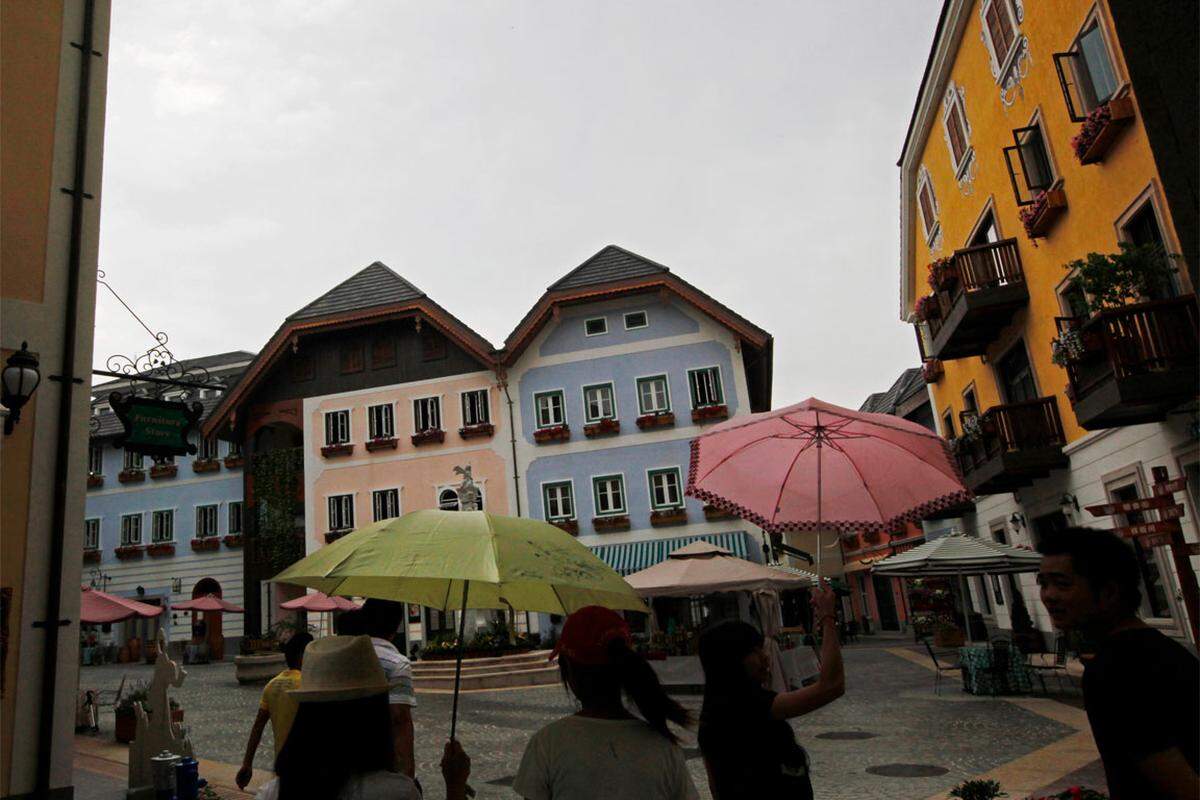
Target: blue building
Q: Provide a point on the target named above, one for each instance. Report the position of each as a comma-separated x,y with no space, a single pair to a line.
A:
168,531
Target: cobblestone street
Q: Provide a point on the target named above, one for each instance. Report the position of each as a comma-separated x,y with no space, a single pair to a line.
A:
889,717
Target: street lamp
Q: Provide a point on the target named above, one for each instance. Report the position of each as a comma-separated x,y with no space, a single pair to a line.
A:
19,380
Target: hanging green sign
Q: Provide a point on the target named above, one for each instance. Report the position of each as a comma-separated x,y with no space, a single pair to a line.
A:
156,427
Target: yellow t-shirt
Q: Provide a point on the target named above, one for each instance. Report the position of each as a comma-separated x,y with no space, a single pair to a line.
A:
280,705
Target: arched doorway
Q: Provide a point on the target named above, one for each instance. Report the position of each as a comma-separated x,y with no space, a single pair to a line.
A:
208,628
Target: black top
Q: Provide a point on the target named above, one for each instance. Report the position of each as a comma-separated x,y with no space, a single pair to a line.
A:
751,754
1142,694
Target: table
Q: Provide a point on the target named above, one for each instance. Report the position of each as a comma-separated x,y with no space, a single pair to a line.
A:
977,676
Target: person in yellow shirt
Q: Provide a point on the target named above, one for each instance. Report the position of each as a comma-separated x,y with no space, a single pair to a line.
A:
277,705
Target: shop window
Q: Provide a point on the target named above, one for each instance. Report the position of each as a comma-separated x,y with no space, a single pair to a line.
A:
1029,167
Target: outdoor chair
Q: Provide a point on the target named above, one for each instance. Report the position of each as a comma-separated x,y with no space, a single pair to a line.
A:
939,667
1057,668
1001,666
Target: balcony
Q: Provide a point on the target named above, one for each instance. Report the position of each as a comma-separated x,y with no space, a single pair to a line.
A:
985,288
1132,364
1011,446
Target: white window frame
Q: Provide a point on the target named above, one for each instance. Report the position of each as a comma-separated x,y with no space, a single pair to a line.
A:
95,458
954,101
388,411
720,385
207,448
213,509
378,495
546,487
654,472
645,316
589,321
931,230
418,403
486,406
612,512
637,383
127,524
537,410
1094,19
134,460
337,439
612,401
441,500
161,514
91,533
345,508
240,516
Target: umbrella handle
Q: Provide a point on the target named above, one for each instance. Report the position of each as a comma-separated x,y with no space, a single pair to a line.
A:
462,627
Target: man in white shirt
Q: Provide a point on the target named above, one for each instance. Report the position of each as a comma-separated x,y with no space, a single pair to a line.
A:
382,619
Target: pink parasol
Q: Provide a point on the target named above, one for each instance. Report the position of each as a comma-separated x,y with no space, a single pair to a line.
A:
815,466
97,608
209,602
320,602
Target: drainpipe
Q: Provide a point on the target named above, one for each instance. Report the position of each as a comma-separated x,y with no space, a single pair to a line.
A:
512,440
62,461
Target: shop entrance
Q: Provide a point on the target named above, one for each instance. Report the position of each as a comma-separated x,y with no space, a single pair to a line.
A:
885,601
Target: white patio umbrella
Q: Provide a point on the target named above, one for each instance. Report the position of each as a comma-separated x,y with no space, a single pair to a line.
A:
958,555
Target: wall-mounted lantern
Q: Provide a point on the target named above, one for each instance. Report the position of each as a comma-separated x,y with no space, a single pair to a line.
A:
19,380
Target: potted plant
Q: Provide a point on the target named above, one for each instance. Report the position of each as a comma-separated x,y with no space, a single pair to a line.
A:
602,427
430,436
554,433
943,274
201,465
129,551
1100,128
710,413
1112,280
131,475
978,790
161,549
335,450
91,555
657,419
611,522
947,634
126,717
160,471
382,443
668,516
1068,348
202,544
927,308
476,431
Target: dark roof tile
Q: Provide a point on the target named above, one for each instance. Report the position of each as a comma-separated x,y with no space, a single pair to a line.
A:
909,383
610,264
375,285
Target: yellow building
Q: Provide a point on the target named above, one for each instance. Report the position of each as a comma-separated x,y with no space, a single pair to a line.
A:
1043,132
53,69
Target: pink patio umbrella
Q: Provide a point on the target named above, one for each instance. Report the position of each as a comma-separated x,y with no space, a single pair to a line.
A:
318,602
209,602
815,466
97,608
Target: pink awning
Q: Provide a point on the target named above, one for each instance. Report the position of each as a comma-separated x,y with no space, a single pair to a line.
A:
318,602
209,602
97,608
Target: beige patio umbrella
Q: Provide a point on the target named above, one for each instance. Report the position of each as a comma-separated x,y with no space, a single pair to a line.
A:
703,568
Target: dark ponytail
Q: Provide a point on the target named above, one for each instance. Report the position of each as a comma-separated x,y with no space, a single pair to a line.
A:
641,684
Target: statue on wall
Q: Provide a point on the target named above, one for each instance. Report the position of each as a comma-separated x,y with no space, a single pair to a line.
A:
468,491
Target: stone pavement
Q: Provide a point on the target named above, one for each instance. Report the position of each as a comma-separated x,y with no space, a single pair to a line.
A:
889,737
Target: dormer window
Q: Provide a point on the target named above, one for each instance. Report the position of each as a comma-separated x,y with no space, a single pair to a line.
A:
596,326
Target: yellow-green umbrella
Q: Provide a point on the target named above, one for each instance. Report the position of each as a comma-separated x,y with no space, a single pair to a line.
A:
458,560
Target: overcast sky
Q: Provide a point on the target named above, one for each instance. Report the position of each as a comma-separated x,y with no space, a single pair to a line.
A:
259,153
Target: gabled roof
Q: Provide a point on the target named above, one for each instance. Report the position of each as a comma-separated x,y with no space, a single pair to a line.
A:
908,384
610,264
374,285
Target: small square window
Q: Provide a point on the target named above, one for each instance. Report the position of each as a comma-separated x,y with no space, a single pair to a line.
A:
433,346
596,326
351,358
383,352
635,320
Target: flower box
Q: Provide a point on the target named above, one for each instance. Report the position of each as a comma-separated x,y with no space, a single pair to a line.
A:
668,516
431,436
131,475
928,308
91,556
161,549
233,540
714,514
333,536
614,522
234,462
476,431
710,413
381,444
932,370
335,450
95,481
206,465
159,471
1101,129
662,419
1047,207
555,433
943,275
204,544
130,551
569,525
602,427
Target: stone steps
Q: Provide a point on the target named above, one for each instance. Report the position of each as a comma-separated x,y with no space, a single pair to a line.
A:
499,672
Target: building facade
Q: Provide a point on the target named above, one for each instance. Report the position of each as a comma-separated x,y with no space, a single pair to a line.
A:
169,530
1043,133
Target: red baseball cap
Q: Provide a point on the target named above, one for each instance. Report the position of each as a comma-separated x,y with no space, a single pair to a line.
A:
587,633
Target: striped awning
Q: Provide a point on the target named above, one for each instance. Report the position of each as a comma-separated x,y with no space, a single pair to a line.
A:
631,557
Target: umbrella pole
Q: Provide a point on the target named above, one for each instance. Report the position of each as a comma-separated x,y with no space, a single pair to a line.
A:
820,518
462,628
962,587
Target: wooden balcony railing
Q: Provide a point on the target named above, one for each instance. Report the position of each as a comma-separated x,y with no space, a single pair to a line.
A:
987,287
1026,427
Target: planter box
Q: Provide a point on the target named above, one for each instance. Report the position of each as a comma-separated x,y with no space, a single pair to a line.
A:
477,431
206,543
665,419
604,427
157,472
233,540
381,444
234,462
91,556
670,516
435,436
335,450
206,465
1042,219
713,514
95,481
130,552
932,370
609,524
333,536
558,433
161,549
131,475
569,525
709,414
1120,116
257,668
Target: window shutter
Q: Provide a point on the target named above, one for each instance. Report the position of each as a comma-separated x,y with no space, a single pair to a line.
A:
1063,65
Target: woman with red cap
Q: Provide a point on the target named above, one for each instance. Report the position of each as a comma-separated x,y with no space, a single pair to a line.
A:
603,750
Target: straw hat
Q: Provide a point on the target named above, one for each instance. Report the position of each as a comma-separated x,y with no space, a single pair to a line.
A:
340,668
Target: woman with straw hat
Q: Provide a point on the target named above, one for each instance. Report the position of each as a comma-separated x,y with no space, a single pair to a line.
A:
340,746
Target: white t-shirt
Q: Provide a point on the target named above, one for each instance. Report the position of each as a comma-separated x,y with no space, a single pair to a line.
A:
381,785
398,670
579,758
